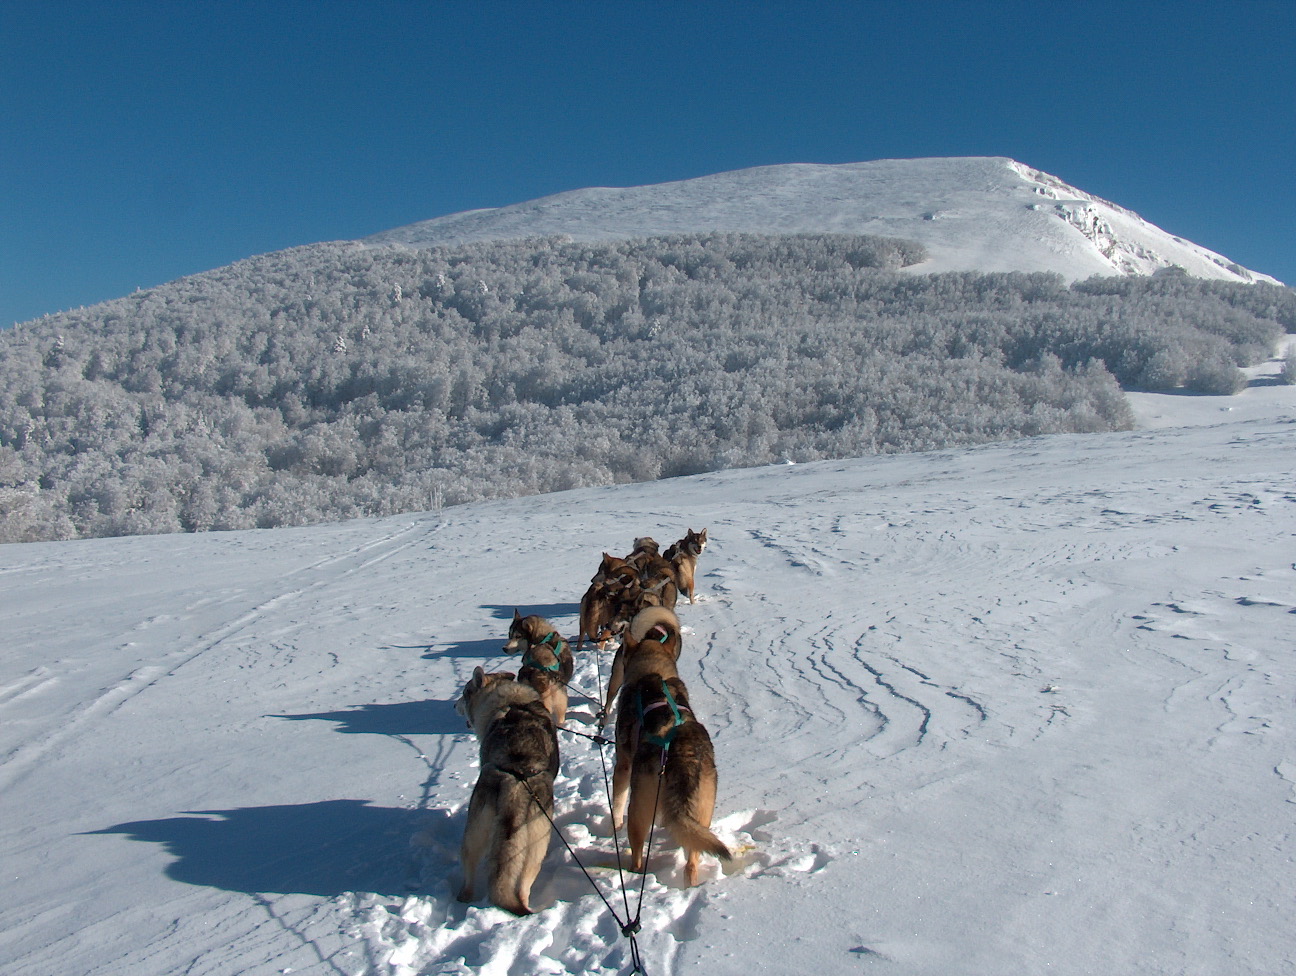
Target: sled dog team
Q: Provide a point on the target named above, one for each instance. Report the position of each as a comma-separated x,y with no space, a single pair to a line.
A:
665,765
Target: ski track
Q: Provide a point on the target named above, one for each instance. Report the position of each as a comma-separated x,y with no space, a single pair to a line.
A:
327,571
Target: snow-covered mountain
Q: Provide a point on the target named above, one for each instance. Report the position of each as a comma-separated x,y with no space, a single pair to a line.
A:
1017,709
972,214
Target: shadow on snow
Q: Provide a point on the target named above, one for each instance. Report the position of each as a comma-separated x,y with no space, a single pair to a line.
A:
504,611
433,716
325,848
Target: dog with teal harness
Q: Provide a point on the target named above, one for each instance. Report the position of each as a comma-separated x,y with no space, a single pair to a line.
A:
547,663
665,763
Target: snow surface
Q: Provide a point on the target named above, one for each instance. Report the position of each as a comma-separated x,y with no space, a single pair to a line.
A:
1021,708
973,213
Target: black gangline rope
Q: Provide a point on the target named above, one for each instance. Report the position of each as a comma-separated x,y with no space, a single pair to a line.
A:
631,927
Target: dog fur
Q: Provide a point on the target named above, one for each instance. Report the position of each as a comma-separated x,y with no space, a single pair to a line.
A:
519,759
655,571
683,557
650,644
599,610
547,663
623,587
665,763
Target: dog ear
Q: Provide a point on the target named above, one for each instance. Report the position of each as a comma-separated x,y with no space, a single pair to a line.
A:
516,616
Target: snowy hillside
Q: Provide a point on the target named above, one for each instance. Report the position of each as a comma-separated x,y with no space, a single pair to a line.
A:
972,214
1020,708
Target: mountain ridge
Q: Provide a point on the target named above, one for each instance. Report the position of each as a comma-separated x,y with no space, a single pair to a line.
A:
972,213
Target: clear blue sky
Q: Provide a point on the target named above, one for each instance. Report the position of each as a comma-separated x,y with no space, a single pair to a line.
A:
142,141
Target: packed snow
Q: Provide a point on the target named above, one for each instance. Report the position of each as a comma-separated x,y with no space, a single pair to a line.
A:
1021,708
973,213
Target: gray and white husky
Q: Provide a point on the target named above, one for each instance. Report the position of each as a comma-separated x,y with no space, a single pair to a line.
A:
509,813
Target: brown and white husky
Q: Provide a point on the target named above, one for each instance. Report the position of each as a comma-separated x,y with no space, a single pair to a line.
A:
683,556
665,763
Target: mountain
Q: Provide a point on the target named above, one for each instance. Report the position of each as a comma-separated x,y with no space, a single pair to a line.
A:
971,213
1022,708
351,378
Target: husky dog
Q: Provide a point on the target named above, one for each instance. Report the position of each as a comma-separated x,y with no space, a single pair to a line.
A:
683,557
547,663
656,574
614,568
508,815
602,610
649,645
665,768
645,547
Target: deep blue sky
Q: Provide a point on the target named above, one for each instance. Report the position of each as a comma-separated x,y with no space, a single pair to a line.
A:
142,141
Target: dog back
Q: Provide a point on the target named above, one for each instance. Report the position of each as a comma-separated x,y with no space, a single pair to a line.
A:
522,742
650,644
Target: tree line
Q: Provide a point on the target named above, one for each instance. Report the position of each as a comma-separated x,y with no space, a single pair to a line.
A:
342,380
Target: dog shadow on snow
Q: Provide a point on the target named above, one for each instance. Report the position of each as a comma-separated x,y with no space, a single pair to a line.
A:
432,716
330,847
550,611
326,848
490,647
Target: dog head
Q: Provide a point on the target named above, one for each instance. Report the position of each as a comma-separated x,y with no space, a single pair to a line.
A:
611,567
691,545
517,637
479,692
526,631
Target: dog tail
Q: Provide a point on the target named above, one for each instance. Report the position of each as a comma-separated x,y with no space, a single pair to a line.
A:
693,836
650,618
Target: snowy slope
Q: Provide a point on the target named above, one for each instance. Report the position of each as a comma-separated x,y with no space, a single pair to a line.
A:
972,213
1023,708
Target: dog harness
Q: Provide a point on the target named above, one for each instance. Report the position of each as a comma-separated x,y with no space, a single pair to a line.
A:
665,636
666,701
554,641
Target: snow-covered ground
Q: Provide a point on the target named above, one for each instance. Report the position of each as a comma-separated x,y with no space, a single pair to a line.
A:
1023,708
973,213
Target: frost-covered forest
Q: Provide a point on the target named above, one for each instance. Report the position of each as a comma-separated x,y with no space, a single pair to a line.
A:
340,380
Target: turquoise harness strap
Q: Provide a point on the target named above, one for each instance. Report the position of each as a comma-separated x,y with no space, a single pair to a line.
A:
554,641
665,634
662,741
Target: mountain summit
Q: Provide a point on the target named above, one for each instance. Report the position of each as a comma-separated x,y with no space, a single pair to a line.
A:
974,213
